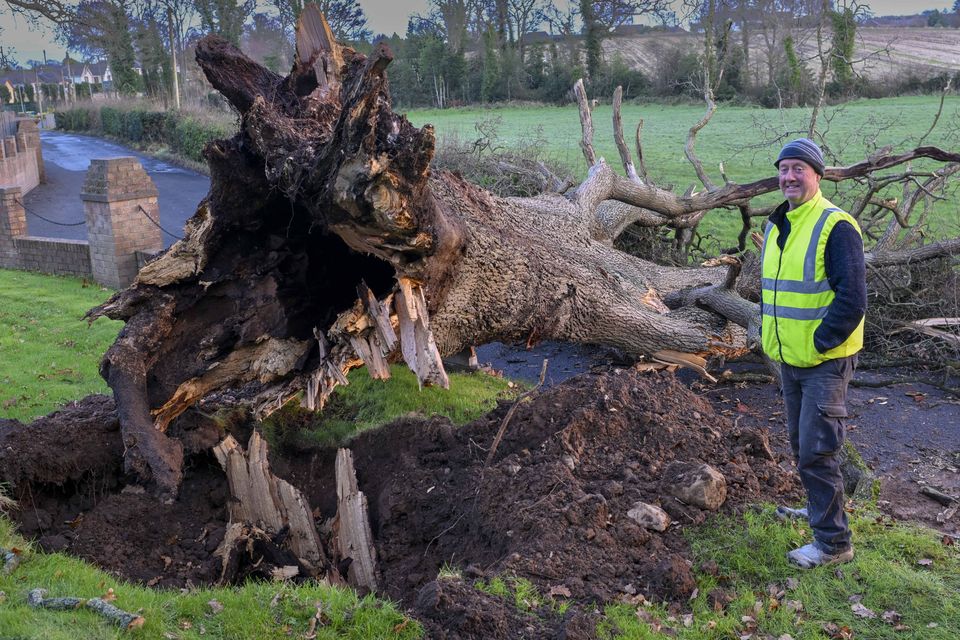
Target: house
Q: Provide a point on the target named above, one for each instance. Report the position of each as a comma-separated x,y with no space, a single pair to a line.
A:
95,73
10,84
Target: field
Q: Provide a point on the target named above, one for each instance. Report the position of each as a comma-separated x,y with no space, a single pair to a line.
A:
744,139
881,52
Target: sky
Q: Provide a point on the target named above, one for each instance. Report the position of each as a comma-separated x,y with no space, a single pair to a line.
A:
383,16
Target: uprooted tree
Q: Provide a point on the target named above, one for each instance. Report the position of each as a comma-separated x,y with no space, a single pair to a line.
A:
326,242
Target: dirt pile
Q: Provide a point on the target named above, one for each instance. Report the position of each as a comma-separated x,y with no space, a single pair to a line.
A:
551,507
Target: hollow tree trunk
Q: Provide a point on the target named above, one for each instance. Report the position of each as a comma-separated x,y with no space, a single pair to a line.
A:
325,236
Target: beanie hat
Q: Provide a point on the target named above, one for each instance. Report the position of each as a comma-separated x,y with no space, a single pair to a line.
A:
802,149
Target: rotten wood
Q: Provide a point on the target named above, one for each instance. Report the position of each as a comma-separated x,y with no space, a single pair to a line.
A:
353,538
37,599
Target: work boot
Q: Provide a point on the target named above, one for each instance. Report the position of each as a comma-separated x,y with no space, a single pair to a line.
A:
812,555
786,513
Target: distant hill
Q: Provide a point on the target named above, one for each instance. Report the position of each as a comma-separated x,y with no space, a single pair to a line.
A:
918,51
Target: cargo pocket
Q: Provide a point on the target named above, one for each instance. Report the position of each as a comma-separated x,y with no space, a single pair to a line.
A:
830,433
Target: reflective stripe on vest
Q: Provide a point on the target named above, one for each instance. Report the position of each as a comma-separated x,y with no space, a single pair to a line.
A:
795,290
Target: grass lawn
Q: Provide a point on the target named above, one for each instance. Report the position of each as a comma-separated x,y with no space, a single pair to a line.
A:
907,575
742,138
48,353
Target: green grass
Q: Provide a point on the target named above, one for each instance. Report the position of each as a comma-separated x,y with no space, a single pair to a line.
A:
257,610
366,404
48,353
739,137
750,554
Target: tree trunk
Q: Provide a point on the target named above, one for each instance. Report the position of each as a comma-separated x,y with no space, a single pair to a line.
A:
325,234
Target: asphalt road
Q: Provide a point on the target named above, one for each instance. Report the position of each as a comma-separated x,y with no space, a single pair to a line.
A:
67,157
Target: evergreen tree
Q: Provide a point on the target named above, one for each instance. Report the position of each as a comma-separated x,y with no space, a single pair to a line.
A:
591,37
844,39
491,66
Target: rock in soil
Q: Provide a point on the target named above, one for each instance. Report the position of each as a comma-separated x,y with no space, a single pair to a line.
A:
551,508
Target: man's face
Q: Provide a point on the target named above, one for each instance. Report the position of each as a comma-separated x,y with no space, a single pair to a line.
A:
798,181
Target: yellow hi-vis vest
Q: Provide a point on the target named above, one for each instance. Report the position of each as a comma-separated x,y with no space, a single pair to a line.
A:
795,291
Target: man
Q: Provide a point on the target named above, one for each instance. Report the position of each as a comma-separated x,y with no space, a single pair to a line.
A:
814,300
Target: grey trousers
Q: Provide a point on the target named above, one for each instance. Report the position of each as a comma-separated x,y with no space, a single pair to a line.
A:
816,404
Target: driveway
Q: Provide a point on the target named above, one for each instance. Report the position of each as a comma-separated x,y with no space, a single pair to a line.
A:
54,208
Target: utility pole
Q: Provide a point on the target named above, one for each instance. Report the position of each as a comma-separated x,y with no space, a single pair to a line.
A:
38,94
70,73
23,88
173,55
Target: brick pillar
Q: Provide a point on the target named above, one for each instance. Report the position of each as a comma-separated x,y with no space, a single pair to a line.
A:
31,135
113,194
13,223
10,146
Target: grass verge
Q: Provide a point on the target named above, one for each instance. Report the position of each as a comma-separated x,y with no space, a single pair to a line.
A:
907,577
49,354
366,404
255,611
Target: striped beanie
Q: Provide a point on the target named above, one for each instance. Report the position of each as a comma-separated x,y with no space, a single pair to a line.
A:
803,149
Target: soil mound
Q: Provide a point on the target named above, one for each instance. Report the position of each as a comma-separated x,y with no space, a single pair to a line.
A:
551,507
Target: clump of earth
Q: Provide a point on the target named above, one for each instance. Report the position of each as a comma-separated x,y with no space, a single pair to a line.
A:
552,506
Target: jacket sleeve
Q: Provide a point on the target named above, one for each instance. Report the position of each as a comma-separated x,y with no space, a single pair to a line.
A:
846,272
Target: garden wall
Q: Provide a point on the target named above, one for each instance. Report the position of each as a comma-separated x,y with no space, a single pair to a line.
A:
119,199
21,160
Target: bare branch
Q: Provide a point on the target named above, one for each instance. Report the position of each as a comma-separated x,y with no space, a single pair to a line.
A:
618,136
640,160
586,123
692,138
936,118
926,252
603,184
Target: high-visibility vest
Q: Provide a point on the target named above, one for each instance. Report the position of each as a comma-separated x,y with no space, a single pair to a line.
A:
795,291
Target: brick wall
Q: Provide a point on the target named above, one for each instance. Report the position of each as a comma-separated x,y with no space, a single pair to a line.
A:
21,160
13,223
54,255
119,200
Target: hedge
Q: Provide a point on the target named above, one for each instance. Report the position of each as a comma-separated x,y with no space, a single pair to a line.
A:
186,135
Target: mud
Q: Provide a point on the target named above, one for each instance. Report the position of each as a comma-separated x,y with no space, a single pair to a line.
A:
550,507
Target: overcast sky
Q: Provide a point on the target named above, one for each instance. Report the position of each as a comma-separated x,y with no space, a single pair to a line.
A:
383,16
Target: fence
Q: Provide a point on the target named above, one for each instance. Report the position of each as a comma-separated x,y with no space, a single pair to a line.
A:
120,209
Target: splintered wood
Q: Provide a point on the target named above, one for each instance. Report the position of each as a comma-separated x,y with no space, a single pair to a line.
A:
315,42
268,502
353,538
416,340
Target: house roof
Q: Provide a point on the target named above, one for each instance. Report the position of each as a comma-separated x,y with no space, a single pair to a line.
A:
97,68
